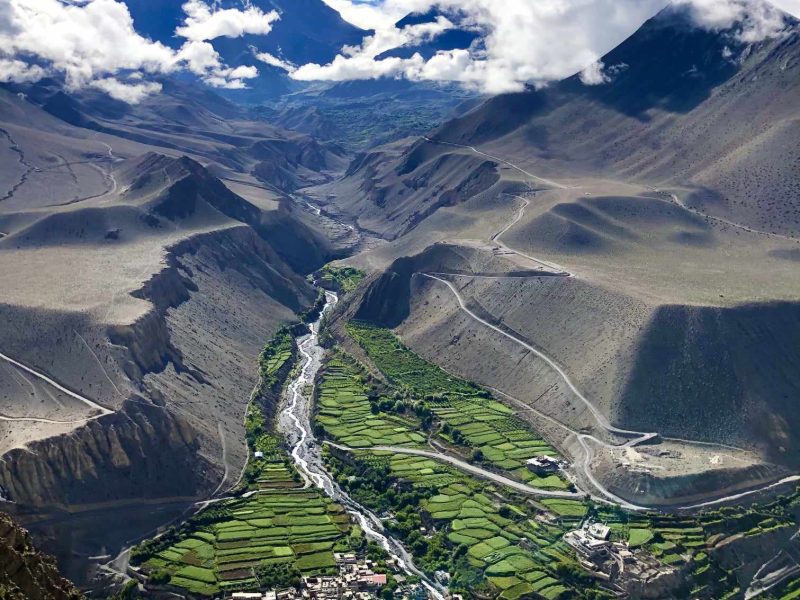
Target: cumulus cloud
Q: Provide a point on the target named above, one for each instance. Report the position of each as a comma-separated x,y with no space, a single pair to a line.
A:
17,71
131,93
274,61
594,74
755,20
204,23
93,43
525,42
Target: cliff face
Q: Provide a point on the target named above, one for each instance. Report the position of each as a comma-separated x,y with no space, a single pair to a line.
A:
142,451
26,574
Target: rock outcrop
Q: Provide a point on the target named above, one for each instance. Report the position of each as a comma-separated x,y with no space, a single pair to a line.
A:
25,573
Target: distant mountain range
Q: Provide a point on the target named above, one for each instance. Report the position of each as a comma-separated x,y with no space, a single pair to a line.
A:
460,37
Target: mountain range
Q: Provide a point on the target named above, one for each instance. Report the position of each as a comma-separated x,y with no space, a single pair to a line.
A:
614,256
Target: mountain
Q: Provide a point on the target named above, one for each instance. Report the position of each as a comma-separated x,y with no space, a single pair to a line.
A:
683,106
641,234
189,118
145,262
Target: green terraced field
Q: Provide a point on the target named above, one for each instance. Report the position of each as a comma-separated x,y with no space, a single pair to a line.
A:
470,416
274,356
402,366
222,547
513,551
345,413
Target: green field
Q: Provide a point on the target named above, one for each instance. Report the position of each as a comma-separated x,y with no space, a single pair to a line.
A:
346,414
469,416
226,545
495,534
274,356
346,279
403,367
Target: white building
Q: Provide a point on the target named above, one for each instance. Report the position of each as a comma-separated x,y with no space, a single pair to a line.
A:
543,465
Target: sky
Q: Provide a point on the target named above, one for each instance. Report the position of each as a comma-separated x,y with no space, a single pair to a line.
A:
95,43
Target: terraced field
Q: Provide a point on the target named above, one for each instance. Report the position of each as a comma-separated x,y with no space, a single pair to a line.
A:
225,546
346,414
468,414
275,356
495,537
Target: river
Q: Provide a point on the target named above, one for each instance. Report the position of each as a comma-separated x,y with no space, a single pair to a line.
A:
295,424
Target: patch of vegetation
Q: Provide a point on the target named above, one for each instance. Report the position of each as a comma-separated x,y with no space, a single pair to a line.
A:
494,543
269,539
404,368
486,537
341,279
347,414
275,356
469,416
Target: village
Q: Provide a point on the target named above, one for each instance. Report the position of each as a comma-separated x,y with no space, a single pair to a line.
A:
624,570
355,580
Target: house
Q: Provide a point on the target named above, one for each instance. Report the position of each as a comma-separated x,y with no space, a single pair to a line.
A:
599,531
372,582
543,465
258,454
586,545
246,596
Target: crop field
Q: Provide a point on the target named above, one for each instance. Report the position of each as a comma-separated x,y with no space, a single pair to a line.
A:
501,539
344,411
403,367
274,356
504,440
224,546
471,417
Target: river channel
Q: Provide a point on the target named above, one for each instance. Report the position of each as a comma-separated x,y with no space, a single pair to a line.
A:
295,424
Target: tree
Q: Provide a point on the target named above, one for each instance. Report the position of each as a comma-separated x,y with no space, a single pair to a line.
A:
477,455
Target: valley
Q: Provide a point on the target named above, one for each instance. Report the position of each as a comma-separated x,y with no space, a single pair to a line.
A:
390,336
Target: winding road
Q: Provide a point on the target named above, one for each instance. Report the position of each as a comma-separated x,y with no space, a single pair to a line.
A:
29,168
549,182
469,468
682,204
585,440
520,213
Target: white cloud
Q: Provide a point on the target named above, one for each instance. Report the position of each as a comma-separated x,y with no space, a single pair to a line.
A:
790,6
526,41
131,93
84,42
755,19
594,74
17,71
206,23
93,43
274,61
